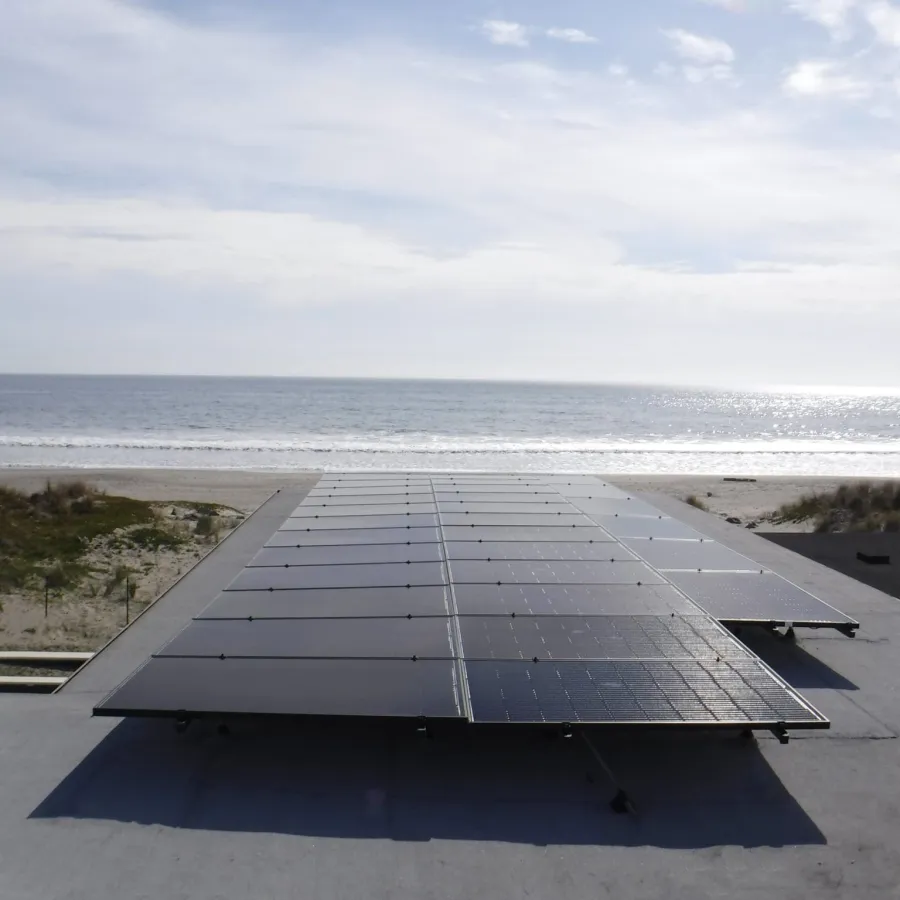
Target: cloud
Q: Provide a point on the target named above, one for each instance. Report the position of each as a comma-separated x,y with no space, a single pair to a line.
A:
699,74
825,78
571,35
510,34
730,5
885,20
699,49
358,182
830,14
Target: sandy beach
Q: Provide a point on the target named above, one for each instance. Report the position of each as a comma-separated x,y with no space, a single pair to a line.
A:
246,490
84,617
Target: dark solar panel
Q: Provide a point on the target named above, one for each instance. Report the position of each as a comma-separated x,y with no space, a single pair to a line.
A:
595,637
537,550
706,692
347,555
348,610
351,494
332,500
375,575
622,527
568,533
555,520
362,509
614,506
339,523
694,555
326,687
755,597
551,572
570,600
519,499
314,638
430,600
337,537
518,509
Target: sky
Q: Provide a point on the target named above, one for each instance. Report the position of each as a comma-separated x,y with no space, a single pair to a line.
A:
665,191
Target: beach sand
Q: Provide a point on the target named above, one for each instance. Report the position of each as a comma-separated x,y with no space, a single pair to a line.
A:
80,620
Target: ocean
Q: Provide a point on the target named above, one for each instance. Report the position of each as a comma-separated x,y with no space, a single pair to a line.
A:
285,423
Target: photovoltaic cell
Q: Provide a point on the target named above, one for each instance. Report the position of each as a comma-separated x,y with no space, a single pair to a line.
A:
347,555
555,520
595,637
339,523
314,638
357,536
431,600
375,575
754,597
537,550
517,509
363,509
555,534
622,527
551,572
325,687
663,554
510,497
570,600
734,692
613,506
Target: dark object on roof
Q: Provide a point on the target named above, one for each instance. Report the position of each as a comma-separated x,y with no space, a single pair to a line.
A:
584,605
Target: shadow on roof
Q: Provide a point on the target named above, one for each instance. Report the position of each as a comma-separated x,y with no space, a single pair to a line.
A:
354,779
797,667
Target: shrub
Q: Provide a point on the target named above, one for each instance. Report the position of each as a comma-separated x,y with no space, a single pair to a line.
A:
694,500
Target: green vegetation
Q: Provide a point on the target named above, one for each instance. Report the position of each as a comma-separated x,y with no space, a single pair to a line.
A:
46,534
207,509
852,507
150,537
694,500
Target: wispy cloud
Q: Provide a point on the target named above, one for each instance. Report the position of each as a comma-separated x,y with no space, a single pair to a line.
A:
885,21
730,5
571,35
825,78
510,34
698,48
830,14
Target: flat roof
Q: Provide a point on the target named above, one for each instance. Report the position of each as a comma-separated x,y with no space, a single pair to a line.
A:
101,808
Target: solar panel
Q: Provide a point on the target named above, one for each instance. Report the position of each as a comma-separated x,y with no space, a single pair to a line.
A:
570,600
595,637
524,599
693,555
554,520
336,603
465,571
342,576
736,597
733,692
314,639
340,523
337,537
346,555
309,687
362,509
537,550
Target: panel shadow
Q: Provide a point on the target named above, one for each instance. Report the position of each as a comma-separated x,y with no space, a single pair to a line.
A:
355,779
788,658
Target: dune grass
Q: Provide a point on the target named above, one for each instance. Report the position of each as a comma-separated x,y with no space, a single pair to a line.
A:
695,501
860,506
45,535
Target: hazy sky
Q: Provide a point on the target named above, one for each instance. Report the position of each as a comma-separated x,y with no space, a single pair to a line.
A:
700,191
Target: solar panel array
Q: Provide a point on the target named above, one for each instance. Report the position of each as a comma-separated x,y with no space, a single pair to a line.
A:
492,598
